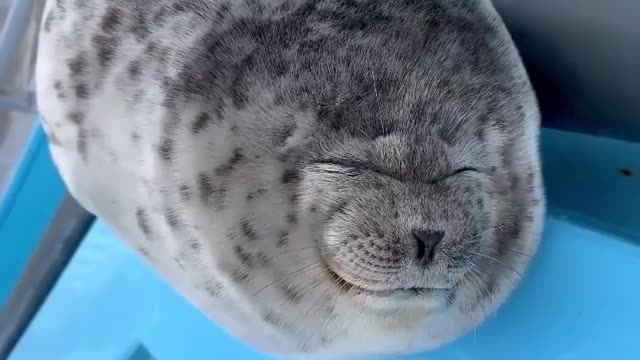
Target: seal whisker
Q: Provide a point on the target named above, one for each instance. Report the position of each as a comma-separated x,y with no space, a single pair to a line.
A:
298,272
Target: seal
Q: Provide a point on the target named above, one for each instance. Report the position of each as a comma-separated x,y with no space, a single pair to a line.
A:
321,178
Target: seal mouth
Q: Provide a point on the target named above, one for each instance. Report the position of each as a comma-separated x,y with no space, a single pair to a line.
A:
348,288
343,285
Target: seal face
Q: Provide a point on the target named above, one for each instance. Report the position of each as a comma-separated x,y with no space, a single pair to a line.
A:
321,178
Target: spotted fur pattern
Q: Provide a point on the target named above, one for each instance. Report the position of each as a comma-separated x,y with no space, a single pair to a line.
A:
322,178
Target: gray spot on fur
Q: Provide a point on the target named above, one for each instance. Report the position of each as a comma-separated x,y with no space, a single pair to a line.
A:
213,288
290,293
139,28
81,91
48,21
292,218
195,245
240,275
76,118
245,257
283,239
289,176
253,194
78,65
179,262
515,182
161,15
223,11
226,169
134,70
201,122
143,222
206,186
105,48
275,320
173,219
57,86
281,137
185,192
248,230
81,144
166,148
210,193
248,258
111,20
151,49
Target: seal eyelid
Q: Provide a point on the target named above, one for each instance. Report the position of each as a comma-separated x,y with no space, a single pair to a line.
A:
356,167
454,173
465,169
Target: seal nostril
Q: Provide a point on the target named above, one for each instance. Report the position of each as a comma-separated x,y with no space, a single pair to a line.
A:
421,247
427,241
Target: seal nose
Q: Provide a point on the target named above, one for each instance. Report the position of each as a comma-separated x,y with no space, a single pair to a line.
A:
427,241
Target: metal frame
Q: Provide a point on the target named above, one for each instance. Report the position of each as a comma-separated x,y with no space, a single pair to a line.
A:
41,226
33,196
60,242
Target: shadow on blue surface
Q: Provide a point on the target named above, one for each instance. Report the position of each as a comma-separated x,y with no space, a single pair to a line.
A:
578,301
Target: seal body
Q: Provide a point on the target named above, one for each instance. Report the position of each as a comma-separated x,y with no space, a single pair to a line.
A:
321,178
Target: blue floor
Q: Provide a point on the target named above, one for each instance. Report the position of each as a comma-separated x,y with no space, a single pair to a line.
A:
578,301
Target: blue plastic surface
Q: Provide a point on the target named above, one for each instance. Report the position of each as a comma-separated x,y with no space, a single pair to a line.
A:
26,209
578,301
